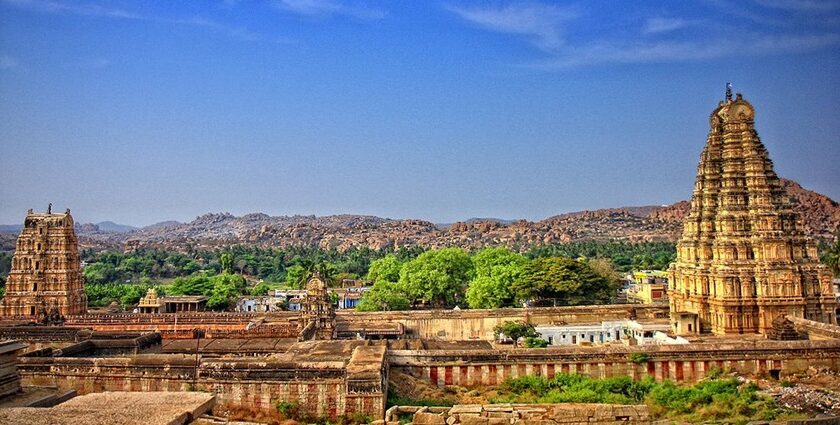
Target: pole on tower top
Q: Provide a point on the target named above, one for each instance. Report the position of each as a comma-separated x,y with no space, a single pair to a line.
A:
728,91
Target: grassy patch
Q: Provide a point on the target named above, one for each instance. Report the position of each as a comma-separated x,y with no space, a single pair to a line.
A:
711,400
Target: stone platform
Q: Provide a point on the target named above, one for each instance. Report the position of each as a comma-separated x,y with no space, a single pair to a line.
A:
122,408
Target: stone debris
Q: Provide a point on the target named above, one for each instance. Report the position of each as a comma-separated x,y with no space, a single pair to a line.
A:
809,399
523,414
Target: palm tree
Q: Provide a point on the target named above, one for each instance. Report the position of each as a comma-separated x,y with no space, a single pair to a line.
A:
831,256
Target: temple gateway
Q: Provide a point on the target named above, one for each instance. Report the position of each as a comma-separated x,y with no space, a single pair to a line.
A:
45,282
743,259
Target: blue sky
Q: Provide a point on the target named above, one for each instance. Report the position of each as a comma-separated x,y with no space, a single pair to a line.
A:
139,112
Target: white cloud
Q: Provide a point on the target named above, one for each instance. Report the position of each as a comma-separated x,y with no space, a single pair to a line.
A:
329,8
542,23
671,51
8,62
661,25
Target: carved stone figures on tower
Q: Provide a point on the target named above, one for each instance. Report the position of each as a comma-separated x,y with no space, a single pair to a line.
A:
743,259
45,281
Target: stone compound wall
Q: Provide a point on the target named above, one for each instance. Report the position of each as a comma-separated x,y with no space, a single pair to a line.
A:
323,389
178,326
461,325
523,414
452,325
681,363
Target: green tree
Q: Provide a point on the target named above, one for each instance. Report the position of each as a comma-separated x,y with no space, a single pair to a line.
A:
198,284
99,273
437,277
515,331
260,289
227,262
831,256
495,271
295,276
562,281
605,268
385,269
226,287
384,296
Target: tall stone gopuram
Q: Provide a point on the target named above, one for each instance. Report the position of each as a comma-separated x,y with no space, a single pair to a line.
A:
45,281
743,258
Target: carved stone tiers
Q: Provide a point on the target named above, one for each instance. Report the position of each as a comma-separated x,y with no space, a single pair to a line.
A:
743,258
45,281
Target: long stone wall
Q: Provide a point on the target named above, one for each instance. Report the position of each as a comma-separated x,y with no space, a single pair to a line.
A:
453,325
479,324
682,363
323,389
181,325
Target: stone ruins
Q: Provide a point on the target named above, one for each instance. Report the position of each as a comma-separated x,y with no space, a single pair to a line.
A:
743,259
744,266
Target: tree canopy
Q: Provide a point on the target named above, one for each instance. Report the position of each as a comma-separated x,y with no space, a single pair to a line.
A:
437,277
515,331
562,281
495,271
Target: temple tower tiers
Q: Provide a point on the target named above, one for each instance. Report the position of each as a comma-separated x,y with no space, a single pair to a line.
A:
45,281
743,258
317,311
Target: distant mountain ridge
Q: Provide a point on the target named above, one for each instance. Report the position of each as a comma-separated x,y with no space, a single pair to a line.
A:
820,214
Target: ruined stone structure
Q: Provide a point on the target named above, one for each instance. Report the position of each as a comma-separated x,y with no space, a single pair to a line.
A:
743,258
679,363
542,414
45,282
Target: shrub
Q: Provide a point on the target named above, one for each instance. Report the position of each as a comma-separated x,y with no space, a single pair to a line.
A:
639,358
535,342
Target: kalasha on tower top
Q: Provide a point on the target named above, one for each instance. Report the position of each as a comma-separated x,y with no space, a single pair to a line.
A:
45,282
743,258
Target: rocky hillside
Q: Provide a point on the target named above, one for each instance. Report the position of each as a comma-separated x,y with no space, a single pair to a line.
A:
821,216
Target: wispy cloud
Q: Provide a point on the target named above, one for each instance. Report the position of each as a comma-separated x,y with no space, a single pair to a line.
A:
85,9
542,23
8,62
96,10
804,6
662,25
673,51
240,33
329,8
546,26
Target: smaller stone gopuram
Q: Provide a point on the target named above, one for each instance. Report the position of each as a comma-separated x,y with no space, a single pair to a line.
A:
317,314
45,282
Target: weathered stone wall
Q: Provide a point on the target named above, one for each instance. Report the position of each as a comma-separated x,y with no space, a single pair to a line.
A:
815,330
320,388
453,325
680,363
479,324
177,326
523,414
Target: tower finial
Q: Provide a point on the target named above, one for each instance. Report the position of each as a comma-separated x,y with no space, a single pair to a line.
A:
728,91
49,208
